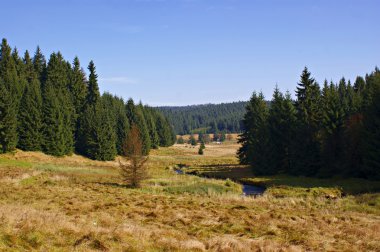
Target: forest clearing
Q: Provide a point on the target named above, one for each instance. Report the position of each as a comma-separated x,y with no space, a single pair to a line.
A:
74,203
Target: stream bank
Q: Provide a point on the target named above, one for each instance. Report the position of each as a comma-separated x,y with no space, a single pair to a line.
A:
248,190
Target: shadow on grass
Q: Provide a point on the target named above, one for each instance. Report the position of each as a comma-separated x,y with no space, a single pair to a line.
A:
112,184
244,174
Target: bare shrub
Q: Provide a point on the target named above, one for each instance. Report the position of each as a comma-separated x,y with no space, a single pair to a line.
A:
133,170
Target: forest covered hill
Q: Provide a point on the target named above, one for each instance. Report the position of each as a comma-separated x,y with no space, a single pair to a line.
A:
206,118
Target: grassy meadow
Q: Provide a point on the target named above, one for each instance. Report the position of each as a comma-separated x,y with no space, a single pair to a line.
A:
76,204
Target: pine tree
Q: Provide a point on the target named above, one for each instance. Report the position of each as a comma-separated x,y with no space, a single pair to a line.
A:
78,87
371,134
93,93
97,132
21,78
192,140
101,138
54,142
354,132
58,109
333,120
281,123
30,111
119,119
151,124
254,138
8,99
201,148
29,71
135,116
39,64
309,116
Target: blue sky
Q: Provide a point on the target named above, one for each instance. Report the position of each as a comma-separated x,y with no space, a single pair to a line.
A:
180,52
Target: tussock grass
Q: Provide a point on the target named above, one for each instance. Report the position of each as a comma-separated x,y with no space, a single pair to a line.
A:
76,204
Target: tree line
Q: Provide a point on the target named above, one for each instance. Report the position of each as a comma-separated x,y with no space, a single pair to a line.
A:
333,130
207,118
52,106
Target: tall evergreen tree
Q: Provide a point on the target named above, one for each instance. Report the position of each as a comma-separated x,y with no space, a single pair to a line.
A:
254,139
165,132
101,138
58,109
281,124
119,119
39,64
30,111
371,136
8,99
78,86
309,116
97,133
135,116
151,124
93,93
334,113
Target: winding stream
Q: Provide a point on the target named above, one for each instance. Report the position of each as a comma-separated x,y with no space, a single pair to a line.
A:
248,190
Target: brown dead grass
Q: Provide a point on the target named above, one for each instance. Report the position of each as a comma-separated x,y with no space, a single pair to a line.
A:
87,208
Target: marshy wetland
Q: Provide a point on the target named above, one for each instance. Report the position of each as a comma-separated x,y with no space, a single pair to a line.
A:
73,203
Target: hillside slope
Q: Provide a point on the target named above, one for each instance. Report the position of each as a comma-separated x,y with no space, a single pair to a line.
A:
206,118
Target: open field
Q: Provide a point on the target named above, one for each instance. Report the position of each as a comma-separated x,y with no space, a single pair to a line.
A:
72,203
234,136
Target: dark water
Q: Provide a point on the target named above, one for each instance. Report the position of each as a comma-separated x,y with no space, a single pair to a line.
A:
178,171
250,190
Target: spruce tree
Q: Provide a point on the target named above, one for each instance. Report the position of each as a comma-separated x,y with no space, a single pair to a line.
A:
309,116
78,86
93,93
101,138
9,99
151,124
333,119
164,130
39,64
371,133
30,111
97,132
58,109
281,123
135,116
21,78
54,142
254,139
120,123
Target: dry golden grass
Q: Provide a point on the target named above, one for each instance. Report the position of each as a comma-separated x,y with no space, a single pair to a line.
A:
76,204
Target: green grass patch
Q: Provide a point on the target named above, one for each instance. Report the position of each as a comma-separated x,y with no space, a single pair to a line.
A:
72,169
14,163
204,188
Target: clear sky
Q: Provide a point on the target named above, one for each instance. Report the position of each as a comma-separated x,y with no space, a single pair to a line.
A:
180,52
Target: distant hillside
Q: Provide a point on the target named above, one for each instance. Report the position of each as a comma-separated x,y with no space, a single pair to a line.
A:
207,118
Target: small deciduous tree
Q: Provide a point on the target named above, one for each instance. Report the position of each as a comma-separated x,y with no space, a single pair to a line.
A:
134,170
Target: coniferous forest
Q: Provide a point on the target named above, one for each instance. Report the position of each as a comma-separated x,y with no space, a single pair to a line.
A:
207,118
52,106
327,131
